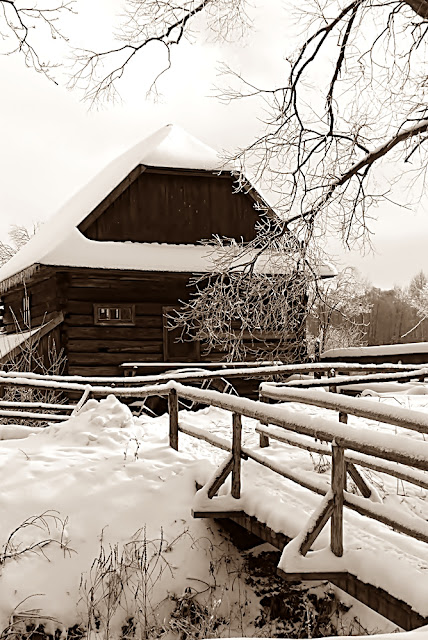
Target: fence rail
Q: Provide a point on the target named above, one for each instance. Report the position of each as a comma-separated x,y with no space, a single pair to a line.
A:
223,371
409,454
347,448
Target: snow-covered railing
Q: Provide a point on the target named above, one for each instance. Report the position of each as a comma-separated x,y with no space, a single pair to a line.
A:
333,382
348,447
196,372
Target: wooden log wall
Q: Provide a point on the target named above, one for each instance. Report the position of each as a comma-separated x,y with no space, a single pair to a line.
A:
43,293
94,349
99,350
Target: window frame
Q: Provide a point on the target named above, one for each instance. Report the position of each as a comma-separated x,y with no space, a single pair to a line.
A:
109,322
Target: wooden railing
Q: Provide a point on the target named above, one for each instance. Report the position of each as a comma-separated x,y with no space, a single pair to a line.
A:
333,381
400,456
347,450
256,371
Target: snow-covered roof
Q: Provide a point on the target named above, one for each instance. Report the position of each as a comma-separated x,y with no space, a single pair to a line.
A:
10,341
60,243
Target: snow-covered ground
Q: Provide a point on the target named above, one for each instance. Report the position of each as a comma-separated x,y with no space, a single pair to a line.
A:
108,499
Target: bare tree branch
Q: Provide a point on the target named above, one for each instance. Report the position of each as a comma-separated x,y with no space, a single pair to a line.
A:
17,25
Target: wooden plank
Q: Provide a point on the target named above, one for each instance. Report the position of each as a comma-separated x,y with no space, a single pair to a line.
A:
205,437
50,325
358,479
222,472
147,354
36,405
114,333
52,417
250,523
236,453
397,471
122,346
216,514
173,419
87,321
75,370
260,529
338,484
369,509
343,381
326,431
361,407
317,525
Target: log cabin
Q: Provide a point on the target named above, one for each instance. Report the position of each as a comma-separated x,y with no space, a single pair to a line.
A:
100,276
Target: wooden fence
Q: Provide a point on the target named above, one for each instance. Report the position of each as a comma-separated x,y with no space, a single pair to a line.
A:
401,457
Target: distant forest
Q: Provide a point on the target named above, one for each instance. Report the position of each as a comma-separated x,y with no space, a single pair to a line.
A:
391,317
350,311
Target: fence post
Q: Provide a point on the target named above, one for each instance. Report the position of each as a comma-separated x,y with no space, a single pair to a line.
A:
173,419
338,480
264,440
236,452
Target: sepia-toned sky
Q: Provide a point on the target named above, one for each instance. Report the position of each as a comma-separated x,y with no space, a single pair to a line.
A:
51,144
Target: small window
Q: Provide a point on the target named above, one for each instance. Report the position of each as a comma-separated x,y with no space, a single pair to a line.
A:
26,314
114,314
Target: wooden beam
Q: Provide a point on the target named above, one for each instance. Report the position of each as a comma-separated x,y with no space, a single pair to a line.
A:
264,439
236,453
217,514
221,475
52,320
358,479
338,483
396,470
173,419
317,526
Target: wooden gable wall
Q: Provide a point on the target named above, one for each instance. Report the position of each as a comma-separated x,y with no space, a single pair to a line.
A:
173,206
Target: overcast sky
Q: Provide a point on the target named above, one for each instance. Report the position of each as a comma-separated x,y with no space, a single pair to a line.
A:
51,145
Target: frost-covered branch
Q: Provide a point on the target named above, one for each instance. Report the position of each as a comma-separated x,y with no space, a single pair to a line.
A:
147,25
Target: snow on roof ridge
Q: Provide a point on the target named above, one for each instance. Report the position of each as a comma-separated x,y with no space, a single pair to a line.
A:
170,146
156,150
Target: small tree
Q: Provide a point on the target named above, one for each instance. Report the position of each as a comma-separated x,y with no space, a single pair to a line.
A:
19,235
253,305
416,296
337,313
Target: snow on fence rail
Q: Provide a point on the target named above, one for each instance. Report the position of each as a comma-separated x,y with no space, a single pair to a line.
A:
349,446
360,407
258,370
402,450
333,382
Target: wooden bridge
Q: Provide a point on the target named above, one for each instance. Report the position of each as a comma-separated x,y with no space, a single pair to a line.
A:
400,456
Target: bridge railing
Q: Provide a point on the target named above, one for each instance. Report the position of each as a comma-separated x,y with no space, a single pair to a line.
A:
347,450
333,381
400,456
